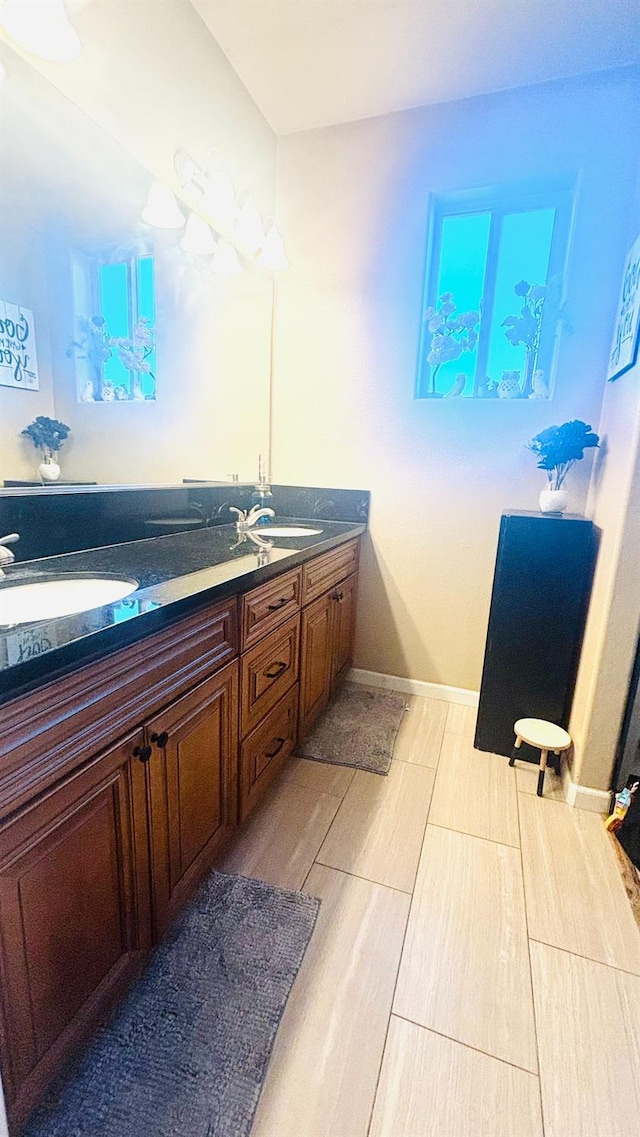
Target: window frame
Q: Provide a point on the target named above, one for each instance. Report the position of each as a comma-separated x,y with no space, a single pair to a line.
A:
498,202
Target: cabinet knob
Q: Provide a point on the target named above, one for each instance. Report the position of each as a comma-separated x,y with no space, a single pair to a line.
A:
160,739
142,752
337,595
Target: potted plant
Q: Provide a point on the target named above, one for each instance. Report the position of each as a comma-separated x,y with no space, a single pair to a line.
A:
47,435
558,448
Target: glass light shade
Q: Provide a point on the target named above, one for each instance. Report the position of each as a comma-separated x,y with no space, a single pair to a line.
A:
41,27
247,233
162,209
198,238
219,202
225,261
272,254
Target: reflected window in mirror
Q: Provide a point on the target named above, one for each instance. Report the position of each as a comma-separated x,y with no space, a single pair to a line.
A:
114,345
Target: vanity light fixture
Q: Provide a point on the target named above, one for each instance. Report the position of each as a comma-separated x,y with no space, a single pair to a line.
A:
41,27
198,238
272,255
162,210
225,260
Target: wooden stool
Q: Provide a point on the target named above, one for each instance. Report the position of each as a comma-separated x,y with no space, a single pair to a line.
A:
544,735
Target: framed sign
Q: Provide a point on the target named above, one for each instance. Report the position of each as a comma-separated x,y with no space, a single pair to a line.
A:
624,347
18,360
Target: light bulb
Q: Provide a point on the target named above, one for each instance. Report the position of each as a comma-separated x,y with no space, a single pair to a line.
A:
162,209
272,255
225,261
41,27
247,233
198,238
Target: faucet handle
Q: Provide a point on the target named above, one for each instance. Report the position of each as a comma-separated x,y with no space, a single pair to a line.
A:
10,539
242,513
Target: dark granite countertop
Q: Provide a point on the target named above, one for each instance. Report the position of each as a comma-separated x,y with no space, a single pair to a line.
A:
176,574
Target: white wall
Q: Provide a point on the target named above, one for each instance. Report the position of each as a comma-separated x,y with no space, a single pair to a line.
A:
353,205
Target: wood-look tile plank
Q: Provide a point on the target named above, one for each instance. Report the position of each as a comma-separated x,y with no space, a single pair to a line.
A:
475,792
461,720
378,830
319,776
465,964
433,1087
588,1023
421,730
527,781
324,1067
574,892
279,842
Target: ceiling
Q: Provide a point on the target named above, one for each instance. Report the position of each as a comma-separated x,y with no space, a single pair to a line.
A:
310,63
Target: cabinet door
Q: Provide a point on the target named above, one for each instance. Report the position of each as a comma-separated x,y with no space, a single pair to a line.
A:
193,789
316,654
344,616
74,916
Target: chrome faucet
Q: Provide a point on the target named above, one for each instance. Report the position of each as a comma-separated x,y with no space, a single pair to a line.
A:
6,556
246,520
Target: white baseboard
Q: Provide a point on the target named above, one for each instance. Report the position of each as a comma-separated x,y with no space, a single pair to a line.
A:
414,687
584,797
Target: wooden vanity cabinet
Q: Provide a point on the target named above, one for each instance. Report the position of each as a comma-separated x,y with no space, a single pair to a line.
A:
327,629
133,811
74,916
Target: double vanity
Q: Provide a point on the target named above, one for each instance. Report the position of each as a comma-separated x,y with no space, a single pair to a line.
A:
136,737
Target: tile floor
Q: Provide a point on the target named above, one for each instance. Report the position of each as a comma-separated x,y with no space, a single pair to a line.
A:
475,969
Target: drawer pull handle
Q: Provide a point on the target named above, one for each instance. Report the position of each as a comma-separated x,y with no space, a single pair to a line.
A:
143,753
160,739
276,750
278,604
278,668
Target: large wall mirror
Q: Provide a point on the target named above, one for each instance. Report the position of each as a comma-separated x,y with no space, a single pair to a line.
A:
76,252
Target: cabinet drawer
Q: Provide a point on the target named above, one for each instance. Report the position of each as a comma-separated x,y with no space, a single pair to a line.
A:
267,607
268,670
266,749
321,574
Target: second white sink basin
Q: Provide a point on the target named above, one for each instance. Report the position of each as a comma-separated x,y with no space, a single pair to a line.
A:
286,531
34,601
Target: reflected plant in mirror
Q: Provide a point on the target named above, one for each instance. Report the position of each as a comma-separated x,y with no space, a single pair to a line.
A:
135,355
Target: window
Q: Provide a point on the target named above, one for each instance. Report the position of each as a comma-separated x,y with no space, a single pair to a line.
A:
493,293
115,344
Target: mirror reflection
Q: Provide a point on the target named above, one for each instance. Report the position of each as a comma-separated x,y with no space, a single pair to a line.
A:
158,367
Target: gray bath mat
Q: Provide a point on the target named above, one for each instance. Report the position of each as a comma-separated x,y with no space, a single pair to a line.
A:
186,1054
358,729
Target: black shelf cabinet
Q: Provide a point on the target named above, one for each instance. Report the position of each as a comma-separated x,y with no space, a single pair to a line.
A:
541,588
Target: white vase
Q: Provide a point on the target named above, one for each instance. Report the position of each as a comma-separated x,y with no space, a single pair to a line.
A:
49,469
553,501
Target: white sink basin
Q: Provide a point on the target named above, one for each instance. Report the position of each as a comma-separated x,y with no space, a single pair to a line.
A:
286,531
47,599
